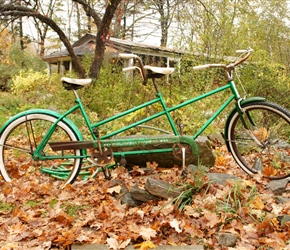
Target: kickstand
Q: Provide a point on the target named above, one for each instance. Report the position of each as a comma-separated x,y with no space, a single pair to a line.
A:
184,169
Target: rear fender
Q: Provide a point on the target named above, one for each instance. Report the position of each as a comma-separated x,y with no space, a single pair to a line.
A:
47,112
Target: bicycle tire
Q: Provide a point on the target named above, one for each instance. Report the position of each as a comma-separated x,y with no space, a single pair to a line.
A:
21,137
267,150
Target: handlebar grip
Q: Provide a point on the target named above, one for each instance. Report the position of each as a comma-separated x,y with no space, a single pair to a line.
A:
127,56
201,67
129,69
241,51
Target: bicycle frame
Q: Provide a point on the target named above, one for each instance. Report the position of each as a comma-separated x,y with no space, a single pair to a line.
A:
166,111
146,140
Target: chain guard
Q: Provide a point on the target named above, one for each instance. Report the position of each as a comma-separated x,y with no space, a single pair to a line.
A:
177,151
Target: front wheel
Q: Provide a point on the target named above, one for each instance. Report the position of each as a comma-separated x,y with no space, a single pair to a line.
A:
263,145
23,135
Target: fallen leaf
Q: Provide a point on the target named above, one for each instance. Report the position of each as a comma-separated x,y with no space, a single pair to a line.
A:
220,161
147,233
124,243
7,189
257,203
261,134
145,245
175,224
212,218
269,171
115,189
113,243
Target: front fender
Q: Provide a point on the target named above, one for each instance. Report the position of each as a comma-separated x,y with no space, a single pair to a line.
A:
47,112
243,102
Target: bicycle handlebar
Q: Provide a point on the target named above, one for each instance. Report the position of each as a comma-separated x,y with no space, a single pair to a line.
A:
141,68
207,66
129,68
247,52
242,51
227,67
127,56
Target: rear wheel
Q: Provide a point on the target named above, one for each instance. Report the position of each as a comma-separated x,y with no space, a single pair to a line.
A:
264,146
22,136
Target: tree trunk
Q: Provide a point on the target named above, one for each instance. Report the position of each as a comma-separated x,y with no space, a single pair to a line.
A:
102,36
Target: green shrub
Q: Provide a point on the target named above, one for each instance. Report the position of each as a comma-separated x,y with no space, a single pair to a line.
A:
28,82
263,77
18,60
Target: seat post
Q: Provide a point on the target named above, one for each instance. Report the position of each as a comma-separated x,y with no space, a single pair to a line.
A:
155,85
76,94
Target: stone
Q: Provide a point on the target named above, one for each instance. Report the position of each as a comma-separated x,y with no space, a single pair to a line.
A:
141,194
227,239
284,219
126,198
216,139
281,199
221,178
193,169
278,186
161,189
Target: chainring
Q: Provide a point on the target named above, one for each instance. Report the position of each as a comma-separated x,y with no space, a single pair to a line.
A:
103,158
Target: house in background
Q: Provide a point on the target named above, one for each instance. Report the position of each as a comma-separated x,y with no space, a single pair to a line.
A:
154,55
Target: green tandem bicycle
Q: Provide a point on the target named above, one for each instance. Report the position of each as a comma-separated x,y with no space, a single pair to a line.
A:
256,132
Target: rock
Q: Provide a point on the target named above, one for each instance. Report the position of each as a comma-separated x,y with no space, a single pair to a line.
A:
162,189
205,156
216,139
221,178
141,194
193,169
278,186
284,219
126,198
227,239
258,165
281,199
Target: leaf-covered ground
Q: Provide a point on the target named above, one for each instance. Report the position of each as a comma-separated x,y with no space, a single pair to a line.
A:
37,213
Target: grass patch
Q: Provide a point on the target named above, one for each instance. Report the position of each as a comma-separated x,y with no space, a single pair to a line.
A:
32,203
196,183
6,207
52,203
73,209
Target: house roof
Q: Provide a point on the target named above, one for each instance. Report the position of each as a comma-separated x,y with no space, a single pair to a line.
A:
86,45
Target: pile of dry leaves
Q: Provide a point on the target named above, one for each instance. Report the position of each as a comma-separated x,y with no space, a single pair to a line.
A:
36,213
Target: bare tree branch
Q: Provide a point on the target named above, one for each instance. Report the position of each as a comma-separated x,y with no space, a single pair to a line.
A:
90,12
206,9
